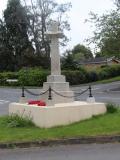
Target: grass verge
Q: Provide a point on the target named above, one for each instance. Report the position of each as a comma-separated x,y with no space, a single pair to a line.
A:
110,80
108,124
114,79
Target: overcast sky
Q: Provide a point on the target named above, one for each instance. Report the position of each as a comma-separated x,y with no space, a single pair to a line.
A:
79,12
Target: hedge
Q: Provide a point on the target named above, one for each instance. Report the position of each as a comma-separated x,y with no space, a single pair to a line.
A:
36,76
9,75
32,77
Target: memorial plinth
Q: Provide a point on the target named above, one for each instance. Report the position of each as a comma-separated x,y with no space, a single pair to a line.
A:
61,109
59,114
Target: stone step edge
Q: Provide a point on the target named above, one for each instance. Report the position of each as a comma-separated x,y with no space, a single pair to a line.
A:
66,141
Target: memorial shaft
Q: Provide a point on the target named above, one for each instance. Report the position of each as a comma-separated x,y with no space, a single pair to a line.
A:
55,56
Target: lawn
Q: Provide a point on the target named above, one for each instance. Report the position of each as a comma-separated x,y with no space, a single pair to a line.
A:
109,80
108,124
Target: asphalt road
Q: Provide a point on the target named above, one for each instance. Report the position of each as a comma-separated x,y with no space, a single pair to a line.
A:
107,93
101,92
73,152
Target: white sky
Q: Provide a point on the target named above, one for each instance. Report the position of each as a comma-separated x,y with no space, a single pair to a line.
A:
79,12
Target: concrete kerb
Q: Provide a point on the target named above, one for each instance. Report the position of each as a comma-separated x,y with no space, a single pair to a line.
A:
67,141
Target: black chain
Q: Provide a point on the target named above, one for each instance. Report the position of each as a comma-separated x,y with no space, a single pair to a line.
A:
50,90
35,94
70,96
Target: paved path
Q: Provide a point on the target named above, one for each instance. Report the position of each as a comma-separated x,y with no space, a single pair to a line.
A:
101,92
74,152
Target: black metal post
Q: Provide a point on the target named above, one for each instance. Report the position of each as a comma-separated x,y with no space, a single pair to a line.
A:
50,94
23,91
90,91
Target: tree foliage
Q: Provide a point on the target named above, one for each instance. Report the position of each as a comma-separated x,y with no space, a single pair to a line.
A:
40,13
117,2
107,34
16,31
81,52
71,58
22,32
6,57
68,62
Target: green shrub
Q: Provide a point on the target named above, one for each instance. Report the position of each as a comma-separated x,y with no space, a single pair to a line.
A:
32,77
18,121
1,79
104,66
103,75
111,108
114,70
75,77
92,76
108,71
36,76
8,75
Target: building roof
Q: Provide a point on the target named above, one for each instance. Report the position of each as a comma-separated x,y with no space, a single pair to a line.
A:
98,60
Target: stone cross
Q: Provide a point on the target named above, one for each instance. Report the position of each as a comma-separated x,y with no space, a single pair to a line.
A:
54,34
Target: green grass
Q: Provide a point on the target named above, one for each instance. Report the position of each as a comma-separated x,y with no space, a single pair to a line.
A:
108,124
112,108
108,80
14,120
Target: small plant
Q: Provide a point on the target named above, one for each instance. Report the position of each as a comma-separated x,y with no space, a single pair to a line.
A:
18,121
111,108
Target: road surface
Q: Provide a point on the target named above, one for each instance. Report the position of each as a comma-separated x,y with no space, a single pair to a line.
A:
73,152
101,92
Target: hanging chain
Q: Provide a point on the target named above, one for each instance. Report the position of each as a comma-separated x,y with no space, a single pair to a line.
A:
70,96
50,90
35,94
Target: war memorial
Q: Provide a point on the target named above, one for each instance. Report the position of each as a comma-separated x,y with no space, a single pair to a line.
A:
60,108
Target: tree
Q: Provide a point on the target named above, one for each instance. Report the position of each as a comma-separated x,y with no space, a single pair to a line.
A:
16,31
23,38
107,33
6,58
68,62
80,52
40,13
117,2
70,59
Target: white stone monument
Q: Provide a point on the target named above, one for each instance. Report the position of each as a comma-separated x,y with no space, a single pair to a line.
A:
56,81
61,110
